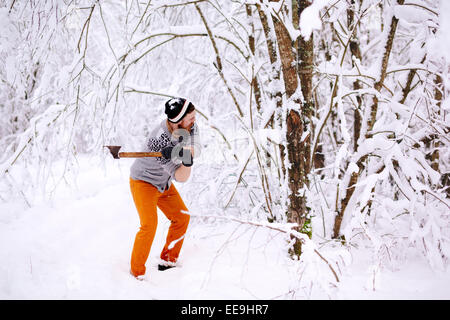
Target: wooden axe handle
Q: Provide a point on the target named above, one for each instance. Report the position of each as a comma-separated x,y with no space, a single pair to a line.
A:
139,154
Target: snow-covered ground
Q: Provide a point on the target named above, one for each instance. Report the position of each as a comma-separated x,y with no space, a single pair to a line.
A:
78,246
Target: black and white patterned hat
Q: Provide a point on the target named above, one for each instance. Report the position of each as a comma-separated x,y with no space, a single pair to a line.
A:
177,108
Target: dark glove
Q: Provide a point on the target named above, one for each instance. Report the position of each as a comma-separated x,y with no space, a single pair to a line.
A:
167,154
190,160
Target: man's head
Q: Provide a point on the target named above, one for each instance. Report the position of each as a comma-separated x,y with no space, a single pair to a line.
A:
180,112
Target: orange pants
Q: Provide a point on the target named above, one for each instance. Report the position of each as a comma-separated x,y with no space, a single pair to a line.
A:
147,198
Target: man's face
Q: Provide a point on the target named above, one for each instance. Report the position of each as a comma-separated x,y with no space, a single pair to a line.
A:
187,121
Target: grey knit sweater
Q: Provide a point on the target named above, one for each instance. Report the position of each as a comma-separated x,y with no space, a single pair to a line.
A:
157,170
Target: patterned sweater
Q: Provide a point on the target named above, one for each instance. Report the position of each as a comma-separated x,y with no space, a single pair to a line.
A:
159,171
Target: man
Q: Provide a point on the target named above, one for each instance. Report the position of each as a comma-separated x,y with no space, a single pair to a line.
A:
151,184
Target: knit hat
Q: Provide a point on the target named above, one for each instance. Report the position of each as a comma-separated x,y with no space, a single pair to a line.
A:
177,108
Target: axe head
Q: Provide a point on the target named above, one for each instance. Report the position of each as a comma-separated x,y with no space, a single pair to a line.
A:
114,151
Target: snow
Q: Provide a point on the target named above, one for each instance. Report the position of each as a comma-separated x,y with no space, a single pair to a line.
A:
310,18
411,14
443,44
413,281
78,246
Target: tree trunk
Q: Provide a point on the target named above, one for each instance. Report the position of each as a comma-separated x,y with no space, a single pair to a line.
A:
287,57
384,64
294,129
296,211
435,143
251,43
305,51
274,95
355,54
295,146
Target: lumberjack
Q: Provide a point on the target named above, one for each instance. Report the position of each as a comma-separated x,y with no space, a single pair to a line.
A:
168,155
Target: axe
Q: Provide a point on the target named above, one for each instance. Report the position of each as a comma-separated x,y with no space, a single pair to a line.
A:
117,155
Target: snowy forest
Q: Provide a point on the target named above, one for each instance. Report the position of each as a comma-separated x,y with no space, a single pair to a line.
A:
324,169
